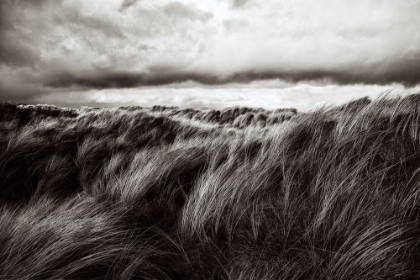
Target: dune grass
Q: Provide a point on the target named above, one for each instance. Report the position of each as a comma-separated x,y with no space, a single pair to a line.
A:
169,193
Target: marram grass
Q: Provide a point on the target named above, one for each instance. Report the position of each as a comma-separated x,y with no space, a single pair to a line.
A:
169,193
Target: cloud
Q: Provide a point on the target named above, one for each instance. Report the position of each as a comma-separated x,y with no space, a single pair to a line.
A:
239,3
50,45
403,72
127,4
279,95
15,54
24,94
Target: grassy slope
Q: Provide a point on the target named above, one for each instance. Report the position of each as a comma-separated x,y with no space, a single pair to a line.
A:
164,193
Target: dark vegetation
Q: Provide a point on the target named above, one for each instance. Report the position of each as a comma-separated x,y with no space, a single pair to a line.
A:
169,193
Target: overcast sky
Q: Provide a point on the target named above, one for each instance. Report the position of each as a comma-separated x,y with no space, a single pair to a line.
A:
207,53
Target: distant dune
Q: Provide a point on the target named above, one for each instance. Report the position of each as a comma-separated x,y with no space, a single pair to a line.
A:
241,193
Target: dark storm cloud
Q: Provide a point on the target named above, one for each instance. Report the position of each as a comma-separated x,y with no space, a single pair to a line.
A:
403,72
129,80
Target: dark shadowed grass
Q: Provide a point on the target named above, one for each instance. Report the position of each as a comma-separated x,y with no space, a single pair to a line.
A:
169,193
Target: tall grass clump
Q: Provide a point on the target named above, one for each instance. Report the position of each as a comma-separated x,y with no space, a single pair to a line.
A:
241,193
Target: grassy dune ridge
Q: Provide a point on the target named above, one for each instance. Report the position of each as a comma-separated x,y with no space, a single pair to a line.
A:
169,193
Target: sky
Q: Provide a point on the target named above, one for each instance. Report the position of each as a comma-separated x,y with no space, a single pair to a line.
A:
207,53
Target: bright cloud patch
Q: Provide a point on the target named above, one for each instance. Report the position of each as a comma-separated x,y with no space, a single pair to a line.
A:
301,96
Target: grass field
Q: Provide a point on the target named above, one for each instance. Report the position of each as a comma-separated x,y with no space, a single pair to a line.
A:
168,193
